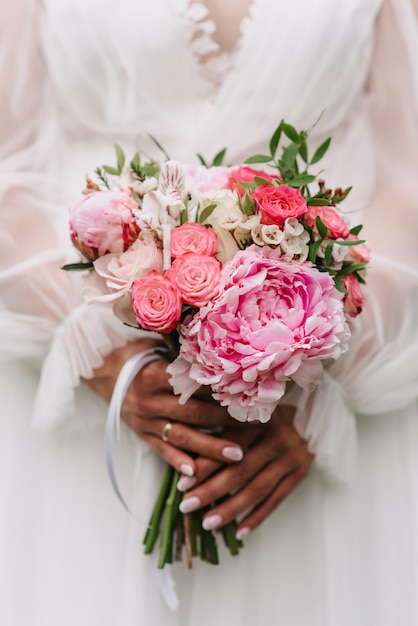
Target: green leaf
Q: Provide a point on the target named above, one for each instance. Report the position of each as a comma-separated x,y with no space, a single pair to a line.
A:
313,250
321,151
120,156
328,253
159,146
248,206
303,151
289,155
275,140
301,180
258,158
351,243
315,201
219,158
184,216
322,229
206,213
111,170
347,191
340,285
356,230
136,161
259,180
79,267
202,160
351,267
245,185
290,132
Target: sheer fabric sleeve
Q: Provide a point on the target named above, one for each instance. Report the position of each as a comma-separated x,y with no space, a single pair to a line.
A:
379,374
42,316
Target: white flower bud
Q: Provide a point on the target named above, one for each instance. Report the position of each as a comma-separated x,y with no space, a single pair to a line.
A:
271,235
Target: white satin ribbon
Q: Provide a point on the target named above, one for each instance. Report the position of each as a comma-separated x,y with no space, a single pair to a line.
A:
128,372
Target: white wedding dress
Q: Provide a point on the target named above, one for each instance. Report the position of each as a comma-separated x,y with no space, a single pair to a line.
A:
342,550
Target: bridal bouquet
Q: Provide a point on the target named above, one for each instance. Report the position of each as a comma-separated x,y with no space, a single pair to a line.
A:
250,270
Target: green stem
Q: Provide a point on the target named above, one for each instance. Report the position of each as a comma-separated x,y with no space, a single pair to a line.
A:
171,512
231,542
151,534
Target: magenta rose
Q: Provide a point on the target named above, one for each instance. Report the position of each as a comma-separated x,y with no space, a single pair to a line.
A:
337,228
193,237
156,303
354,300
272,322
103,222
276,204
246,175
197,277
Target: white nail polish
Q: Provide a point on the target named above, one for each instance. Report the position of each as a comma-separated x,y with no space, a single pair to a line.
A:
187,469
190,504
232,454
212,522
186,482
242,532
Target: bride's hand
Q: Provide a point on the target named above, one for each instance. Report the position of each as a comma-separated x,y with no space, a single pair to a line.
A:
273,465
153,412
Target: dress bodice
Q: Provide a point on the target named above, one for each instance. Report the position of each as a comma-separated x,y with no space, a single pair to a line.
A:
124,69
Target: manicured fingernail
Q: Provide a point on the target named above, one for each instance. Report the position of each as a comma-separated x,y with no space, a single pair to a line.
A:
232,454
190,504
187,469
212,522
186,482
242,532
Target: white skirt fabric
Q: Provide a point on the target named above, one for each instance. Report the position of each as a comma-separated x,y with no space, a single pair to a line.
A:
329,556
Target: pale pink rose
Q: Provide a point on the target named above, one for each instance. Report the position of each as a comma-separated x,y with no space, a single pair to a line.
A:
197,276
205,179
117,272
156,303
246,175
359,253
337,228
277,204
272,322
354,300
103,222
193,237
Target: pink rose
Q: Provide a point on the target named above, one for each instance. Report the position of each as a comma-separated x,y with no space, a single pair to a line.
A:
337,228
115,273
197,276
272,322
193,237
276,204
156,303
354,300
359,253
103,222
246,175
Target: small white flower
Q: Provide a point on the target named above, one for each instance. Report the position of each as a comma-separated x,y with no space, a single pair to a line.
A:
248,223
271,235
257,235
293,228
149,184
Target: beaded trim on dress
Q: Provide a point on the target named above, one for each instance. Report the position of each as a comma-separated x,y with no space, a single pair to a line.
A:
215,62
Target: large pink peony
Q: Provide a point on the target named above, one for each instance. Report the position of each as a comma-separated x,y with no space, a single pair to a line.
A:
193,237
103,222
272,322
156,303
197,276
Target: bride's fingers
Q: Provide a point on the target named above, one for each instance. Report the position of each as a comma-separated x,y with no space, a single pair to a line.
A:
269,504
190,439
178,459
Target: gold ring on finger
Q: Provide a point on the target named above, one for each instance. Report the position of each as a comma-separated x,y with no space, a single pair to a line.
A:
166,431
